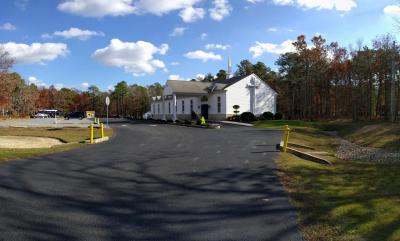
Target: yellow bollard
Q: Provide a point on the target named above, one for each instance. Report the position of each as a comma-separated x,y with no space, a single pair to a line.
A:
102,130
91,134
286,138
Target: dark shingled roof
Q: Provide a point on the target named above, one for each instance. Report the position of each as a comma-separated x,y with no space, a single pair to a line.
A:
197,87
230,81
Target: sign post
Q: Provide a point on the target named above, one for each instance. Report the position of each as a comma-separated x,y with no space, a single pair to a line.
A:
107,104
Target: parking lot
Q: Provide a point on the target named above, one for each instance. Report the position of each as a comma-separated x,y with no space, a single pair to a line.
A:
151,182
45,122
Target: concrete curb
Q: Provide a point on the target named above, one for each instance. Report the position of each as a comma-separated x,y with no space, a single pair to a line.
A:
197,126
99,140
308,156
236,123
301,146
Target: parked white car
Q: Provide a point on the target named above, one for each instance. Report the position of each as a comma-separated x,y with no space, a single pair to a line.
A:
147,116
41,115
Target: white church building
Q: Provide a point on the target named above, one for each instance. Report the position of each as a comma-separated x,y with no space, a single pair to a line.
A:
213,100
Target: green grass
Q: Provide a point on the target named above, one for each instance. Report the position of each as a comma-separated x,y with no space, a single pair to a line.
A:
373,134
349,201
73,137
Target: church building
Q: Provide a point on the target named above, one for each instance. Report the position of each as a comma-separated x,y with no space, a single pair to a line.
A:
214,100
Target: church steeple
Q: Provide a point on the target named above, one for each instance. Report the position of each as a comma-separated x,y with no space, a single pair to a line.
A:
229,72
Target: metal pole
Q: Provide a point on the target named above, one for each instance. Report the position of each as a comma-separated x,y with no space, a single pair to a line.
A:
393,86
107,115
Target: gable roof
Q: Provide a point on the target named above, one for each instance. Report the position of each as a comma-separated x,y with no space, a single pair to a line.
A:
231,81
193,87
197,87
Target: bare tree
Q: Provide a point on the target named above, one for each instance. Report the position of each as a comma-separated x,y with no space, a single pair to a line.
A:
6,62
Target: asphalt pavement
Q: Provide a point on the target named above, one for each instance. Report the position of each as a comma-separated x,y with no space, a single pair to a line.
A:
151,182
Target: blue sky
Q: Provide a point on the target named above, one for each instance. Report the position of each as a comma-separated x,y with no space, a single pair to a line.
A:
75,43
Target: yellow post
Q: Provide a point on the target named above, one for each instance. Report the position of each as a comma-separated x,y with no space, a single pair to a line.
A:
285,138
91,134
102,130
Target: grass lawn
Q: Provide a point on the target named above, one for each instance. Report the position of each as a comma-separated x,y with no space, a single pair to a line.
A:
73,137
373,134
348,201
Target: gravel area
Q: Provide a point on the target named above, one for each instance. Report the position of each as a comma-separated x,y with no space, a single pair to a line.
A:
26,142
350,151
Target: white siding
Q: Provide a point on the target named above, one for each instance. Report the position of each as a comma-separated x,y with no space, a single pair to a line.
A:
187,105
239,94
213,102
265,99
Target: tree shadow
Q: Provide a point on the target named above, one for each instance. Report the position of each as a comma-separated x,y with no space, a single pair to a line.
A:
102,193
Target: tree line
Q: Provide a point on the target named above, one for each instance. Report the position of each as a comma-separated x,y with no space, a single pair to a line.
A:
316,81
21,98
328,81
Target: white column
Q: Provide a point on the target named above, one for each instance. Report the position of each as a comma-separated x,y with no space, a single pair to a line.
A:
163,108
174,107
252,99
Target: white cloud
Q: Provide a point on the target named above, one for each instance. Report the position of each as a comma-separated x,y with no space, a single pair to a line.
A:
339,5
85,85
191,14
97,8
200,76
174,77
392,9
261,48
36,53
158,7
174,63
187,8
203,56
255,1
134,57
46,36
203,36
217,46
178,31
75,33
272,30
7,27
58,86
220,10
110,88
42,84
36,81
21,4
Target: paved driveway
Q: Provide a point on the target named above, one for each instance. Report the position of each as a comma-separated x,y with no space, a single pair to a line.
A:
151,183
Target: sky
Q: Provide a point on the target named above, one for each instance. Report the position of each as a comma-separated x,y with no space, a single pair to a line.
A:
78,43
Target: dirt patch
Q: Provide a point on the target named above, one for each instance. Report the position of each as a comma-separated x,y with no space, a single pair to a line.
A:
25,142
